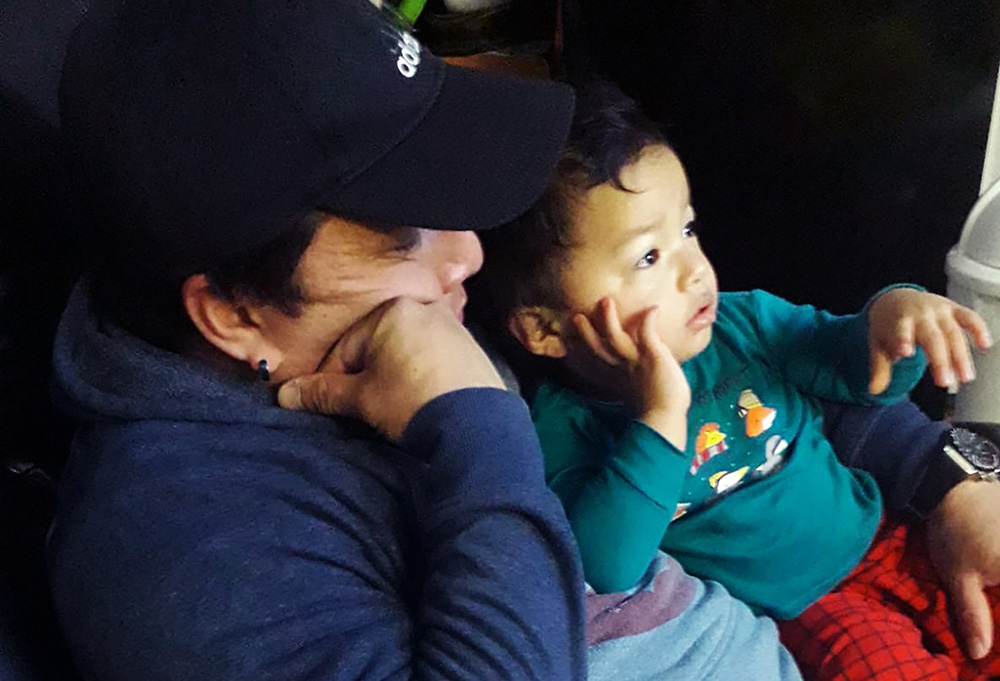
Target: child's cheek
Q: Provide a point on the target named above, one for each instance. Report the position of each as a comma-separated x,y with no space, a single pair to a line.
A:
630,320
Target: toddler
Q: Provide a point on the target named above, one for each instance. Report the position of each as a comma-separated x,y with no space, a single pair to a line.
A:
676,417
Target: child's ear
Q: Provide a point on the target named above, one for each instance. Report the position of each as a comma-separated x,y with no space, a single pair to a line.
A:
539,330
232,327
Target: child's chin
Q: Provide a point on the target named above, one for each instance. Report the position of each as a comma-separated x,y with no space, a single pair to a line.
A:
698,344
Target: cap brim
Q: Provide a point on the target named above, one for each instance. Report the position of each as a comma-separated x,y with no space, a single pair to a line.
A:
480,157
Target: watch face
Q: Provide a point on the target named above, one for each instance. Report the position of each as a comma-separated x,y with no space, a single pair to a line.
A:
977,450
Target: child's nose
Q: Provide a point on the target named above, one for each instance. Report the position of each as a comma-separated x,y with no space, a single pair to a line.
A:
694,265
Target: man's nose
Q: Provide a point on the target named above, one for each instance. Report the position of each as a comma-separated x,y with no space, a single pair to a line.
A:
461,256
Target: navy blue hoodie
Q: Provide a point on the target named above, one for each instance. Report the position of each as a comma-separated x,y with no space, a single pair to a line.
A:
204,533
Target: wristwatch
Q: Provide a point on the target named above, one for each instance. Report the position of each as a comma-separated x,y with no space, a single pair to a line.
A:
963,455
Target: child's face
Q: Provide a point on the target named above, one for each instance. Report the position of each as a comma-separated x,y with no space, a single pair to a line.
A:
638,248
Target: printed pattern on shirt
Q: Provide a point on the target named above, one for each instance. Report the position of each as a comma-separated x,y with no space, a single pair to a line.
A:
730,448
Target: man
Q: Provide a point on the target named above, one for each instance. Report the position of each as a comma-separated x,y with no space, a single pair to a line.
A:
274,180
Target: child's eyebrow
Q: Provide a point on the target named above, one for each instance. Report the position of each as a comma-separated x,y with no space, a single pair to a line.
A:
634,233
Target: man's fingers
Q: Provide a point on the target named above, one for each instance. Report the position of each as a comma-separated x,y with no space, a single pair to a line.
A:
881,371
290,395
348,353
322,393
972,610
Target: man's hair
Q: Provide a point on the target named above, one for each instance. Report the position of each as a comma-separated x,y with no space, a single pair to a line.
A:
151,307
524,259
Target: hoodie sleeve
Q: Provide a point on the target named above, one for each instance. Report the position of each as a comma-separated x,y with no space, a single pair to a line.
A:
503,593
318,550
893,443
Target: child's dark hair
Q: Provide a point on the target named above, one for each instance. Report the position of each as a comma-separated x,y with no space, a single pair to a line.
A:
524,258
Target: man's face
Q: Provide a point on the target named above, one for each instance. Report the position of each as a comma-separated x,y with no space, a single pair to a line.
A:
349,269
638,248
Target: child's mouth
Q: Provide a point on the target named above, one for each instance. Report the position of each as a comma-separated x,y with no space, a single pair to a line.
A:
704,317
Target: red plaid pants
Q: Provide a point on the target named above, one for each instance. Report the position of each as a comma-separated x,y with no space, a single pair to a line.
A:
887,621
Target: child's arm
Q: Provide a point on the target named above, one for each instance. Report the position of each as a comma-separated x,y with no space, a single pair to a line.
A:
619,496
620,502
660,391
843,358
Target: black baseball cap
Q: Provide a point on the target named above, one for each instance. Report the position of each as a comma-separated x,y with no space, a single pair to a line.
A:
207,127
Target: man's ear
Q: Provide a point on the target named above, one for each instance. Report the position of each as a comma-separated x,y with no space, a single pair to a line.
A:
539,330
232,327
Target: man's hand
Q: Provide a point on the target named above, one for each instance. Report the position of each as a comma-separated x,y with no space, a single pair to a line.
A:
660,390
964,545
390,363
901,318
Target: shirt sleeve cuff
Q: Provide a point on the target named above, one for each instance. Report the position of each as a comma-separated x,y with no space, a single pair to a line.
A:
651,464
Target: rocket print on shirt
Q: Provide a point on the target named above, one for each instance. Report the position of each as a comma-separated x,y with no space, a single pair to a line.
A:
758,418
774,451
724,480
710,442
739,440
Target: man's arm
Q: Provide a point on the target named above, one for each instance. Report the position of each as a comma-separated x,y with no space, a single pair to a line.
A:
893,443
897,444
501,595
503,591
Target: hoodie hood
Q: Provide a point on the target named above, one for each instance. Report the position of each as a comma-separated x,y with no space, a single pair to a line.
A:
101,371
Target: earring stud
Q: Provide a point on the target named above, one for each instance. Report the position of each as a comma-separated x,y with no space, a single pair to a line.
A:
263,371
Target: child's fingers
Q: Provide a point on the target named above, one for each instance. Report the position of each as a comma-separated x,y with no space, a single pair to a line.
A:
932,340
620,341
880,363
904,344
961,356
649,340
974,324
601,319
593,339
884,351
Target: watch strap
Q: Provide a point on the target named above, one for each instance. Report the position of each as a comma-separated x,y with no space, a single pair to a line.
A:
942,473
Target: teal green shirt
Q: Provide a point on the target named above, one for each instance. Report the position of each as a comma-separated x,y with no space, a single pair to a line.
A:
757,500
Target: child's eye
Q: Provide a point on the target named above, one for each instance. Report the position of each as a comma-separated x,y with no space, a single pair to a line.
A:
689,230
648,260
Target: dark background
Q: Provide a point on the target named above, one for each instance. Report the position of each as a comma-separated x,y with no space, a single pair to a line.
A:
832,147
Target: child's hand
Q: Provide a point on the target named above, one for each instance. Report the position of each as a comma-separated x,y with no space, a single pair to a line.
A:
903,317
659,387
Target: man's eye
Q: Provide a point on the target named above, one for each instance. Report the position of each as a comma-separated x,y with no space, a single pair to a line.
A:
690,230
648,260
407,239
